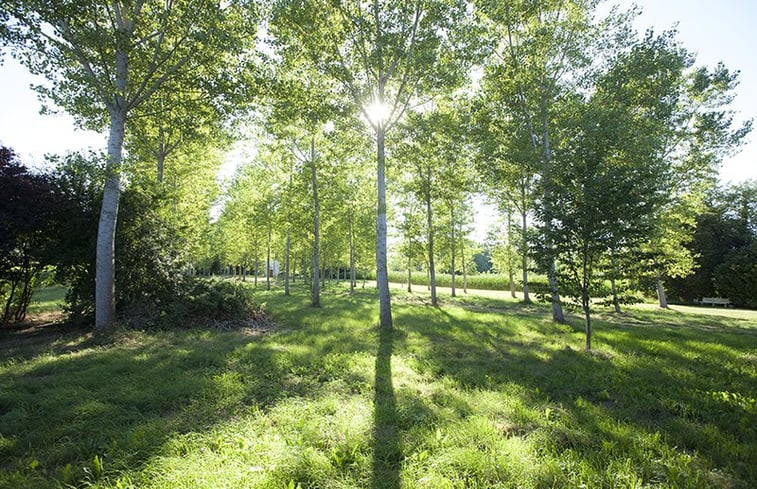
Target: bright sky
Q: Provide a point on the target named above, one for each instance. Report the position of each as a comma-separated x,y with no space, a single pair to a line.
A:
718,30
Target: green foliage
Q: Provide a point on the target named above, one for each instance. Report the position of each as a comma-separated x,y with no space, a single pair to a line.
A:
151,265
736,277
29,218
725,231
197,303
483,392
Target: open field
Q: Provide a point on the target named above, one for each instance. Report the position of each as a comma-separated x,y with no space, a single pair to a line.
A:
482,392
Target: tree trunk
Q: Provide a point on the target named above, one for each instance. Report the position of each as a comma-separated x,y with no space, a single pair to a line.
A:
510,264
315,298
323,273
286,261
161,157
465,268
409,275
268,264
557,312
614,294
382,278
430,229
257,267
105,272
524,237
587,315
352,257
661,293
452,234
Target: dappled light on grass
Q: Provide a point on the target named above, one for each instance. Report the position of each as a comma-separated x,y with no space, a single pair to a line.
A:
477,393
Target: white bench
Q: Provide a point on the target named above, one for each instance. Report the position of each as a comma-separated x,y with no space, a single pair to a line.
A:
716,301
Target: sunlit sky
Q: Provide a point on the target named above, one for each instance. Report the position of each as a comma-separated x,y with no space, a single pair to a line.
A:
717,30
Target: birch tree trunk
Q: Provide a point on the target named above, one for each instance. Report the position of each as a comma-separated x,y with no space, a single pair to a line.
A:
452,229
105,270
557,312
431,269
268,264
409,275
465,268
352,256
524,237
382,278
257,267
286,261
315,297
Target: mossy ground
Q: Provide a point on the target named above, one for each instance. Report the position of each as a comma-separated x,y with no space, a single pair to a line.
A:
481,392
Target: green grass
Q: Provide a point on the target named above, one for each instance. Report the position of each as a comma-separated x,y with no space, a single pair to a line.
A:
482,392
47,299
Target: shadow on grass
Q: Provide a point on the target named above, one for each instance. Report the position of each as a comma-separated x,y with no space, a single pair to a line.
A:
387,453
688,381
124,402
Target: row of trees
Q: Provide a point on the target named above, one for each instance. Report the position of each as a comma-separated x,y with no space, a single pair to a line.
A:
596,144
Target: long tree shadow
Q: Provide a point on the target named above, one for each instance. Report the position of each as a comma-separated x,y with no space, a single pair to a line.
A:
387,453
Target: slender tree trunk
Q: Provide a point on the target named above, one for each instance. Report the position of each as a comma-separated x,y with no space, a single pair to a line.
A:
352,256
323,272
585,299
508,249
557,312
524,237
465,268
661,293
615,301
105,272
382,278
161,157
257,267
587,315
430,228
452,229
315,299
7,312
409,275
286,261
269,265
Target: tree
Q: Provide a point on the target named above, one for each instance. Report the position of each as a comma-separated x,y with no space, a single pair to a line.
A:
614,177
105,59
723,235
28,218
385,54
543,54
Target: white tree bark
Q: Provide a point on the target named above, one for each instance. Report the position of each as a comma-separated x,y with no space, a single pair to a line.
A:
315,298
382,278
105,266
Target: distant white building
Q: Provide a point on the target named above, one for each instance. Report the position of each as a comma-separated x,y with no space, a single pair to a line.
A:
273,268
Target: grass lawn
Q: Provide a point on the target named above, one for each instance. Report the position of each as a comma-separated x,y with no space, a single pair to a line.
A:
47,300
482,392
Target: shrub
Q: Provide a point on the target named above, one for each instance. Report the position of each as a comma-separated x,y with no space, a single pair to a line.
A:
199,303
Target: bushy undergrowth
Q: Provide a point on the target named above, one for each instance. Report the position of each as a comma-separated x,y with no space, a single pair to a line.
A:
196,303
